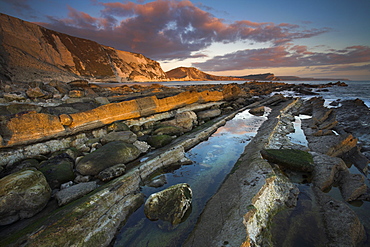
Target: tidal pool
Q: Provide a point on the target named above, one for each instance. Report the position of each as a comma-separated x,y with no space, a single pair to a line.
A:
212,161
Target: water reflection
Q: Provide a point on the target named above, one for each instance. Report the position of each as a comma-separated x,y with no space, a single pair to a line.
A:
212,161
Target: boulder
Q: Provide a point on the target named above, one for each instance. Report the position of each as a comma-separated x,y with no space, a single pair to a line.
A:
257,111
170,204
74,192
112,172
184,120
290,158
118,126
111,154
125,136
158,141
211,113
22,195
36,93
142,146
58,170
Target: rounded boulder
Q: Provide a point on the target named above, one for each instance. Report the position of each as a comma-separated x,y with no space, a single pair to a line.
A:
22,195
111,154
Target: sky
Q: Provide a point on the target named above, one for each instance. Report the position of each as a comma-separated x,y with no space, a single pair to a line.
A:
316,38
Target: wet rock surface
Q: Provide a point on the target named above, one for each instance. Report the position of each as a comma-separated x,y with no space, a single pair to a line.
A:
170,204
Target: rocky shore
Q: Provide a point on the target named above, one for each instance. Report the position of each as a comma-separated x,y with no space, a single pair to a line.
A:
73,157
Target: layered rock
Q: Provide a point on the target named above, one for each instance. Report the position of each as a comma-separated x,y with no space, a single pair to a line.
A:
32,126
32,53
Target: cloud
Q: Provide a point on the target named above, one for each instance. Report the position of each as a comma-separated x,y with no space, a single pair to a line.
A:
284,56
170,29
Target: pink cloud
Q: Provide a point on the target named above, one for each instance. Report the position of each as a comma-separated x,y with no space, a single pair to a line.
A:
169,29
285,56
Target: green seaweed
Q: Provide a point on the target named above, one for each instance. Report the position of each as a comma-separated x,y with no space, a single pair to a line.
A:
290,158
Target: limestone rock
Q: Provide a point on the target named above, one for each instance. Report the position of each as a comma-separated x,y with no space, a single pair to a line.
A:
74,192
111,154
22,195
211,113
58,170
112,172
184,120
326,170
142,146
170,204
344,227
125,136
352,186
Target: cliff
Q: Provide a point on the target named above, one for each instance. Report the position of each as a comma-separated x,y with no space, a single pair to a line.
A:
29,52
194,74
261,77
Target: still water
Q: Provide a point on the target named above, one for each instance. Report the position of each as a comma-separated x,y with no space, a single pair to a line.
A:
212,161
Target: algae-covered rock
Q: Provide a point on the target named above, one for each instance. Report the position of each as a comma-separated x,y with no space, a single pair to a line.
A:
158,141
22,195
58,170
290,158
170,204
111,154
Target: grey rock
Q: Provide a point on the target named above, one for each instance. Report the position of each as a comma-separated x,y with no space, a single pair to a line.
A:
22,195
211,113
352,186
142,146
111,154
112,172
125,136
326,170
184,120
74,192
102,100
170,204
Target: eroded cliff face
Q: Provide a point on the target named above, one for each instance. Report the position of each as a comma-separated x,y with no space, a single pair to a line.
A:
29,52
